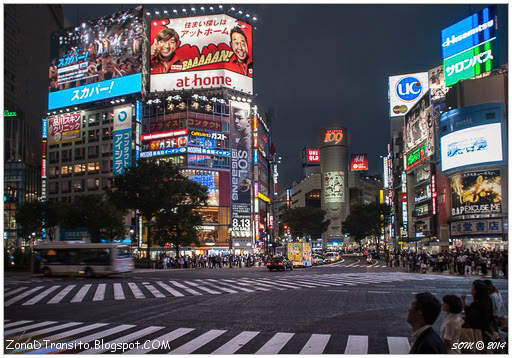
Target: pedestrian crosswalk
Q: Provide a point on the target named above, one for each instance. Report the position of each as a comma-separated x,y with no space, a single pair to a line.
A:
353,264
119,291
95,338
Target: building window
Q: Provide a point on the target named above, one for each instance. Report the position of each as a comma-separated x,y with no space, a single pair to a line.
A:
93,151
53,188
106,149
79,153
78,185
93,167
54,157
107,117
94,120
66,155
79,169
107,133
66,170
66,186
93,184
105,166
53,172
106,183
94,135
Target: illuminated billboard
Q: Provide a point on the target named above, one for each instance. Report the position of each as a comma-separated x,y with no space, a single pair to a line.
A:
97,60
471,146
436,83
468,64
333,137
240,135
64,128
209,179
122,139
359,162
211,51
313,155
469,32
419,126
405,91
476,192
334,187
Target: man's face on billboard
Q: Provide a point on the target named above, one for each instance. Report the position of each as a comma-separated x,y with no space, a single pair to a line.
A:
239,46
168,47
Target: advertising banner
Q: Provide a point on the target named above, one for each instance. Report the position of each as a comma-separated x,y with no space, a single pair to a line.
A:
359,162
211,181
473,62
210,51
313,155
436,83
64,128
240,136
471,146
477,192
477,227
419,126
405,91
122,139
295,251
469,32
333,137
334,187
99,59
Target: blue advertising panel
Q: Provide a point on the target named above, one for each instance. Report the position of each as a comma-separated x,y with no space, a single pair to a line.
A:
45,128
472,31
122,150
182,150
95,91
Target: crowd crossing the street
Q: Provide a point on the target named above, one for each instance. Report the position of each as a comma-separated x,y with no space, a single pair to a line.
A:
459,262
210,261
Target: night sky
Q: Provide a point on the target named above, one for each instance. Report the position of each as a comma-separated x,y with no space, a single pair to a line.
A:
326,65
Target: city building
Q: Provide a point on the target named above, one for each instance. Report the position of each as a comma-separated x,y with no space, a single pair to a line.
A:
24,78
123,103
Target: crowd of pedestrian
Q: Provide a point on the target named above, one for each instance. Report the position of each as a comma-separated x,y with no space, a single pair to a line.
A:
212,261
478,327
462,262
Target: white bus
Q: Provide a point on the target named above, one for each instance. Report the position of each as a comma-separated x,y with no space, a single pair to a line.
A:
81,259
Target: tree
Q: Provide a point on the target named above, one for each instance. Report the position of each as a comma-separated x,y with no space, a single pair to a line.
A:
305,221
156,189
101,218
35,216
366,220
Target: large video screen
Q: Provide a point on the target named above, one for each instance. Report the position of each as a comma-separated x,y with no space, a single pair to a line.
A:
210,51
471,146
419,126
477,192
96,60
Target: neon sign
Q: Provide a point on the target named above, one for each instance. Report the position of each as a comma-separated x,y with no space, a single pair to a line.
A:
333,135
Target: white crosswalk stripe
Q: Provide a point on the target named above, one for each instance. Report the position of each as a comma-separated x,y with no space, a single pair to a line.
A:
127,338
225,289
135,290
276,343
357,345
259,343
198,342
231,285
80,295
169,289
265,285
154,291
245,284
279,284
25,328
14,291
22,296
118,292
40,296
316,344
60,296
236,343
99,295
189,290
206,289
398,345
168,337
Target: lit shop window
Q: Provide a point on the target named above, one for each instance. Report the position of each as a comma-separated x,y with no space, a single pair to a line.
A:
93,167
79,169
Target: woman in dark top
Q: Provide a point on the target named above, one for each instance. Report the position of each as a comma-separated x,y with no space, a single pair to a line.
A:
478,315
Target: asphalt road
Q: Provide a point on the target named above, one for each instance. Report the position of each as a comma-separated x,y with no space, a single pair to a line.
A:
342,308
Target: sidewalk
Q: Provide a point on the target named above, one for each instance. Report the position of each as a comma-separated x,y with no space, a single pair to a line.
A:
447,273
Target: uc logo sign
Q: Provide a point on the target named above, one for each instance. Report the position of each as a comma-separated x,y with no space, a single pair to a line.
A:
122,116
408,89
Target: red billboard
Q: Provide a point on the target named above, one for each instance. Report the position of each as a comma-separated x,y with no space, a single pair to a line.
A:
64,128
210,51
359,162
313,156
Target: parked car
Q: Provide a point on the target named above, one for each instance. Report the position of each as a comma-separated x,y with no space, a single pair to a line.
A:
279,263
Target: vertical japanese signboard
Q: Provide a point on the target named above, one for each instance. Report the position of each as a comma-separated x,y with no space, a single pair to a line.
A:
43,156
122,139
64,128
240,136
